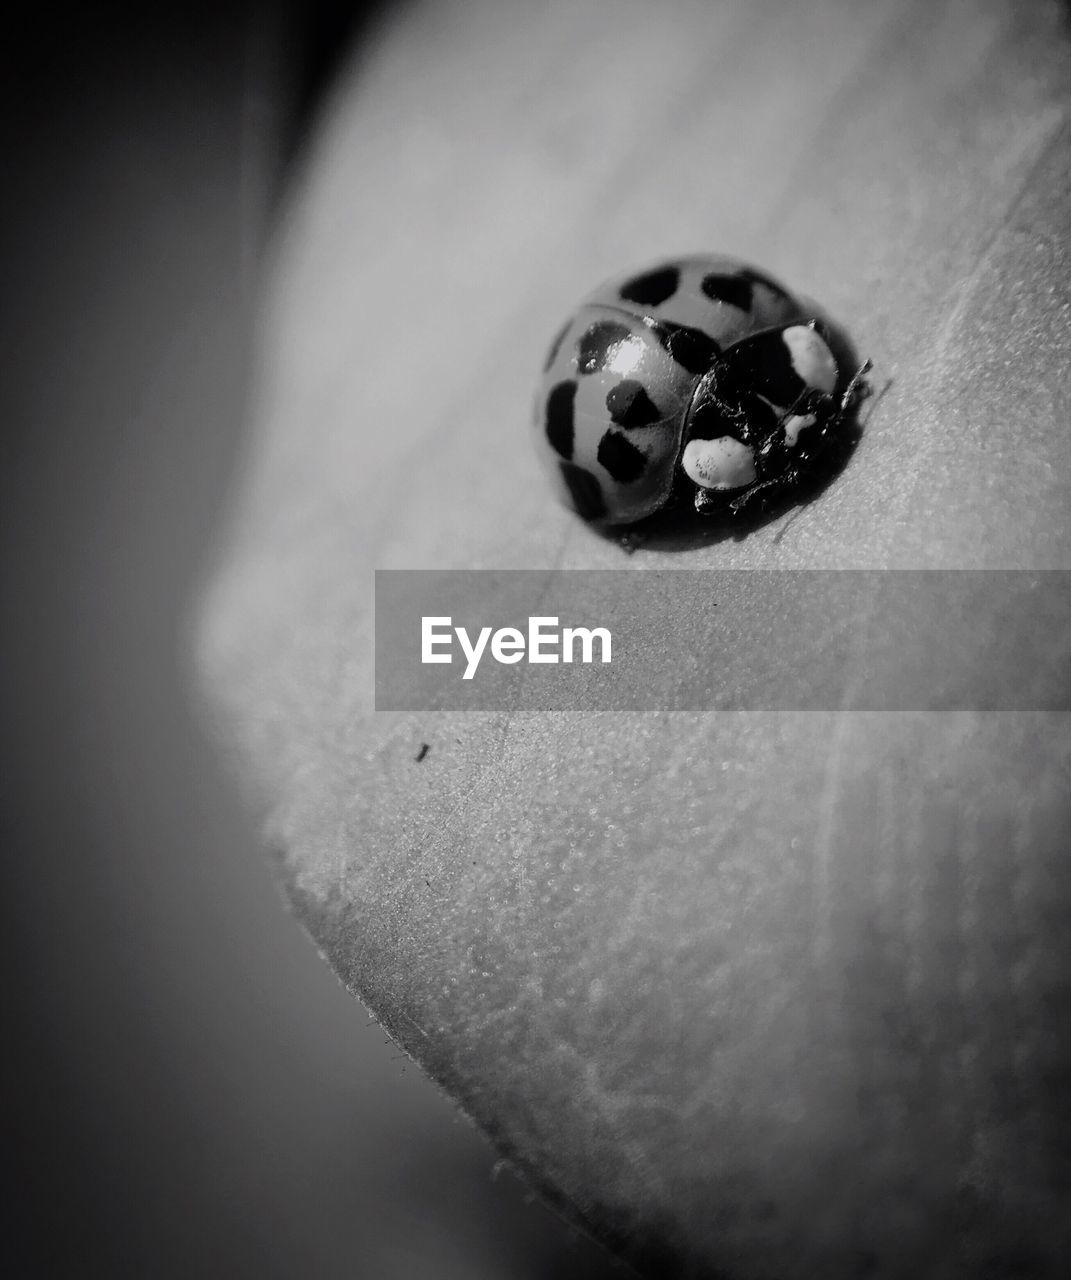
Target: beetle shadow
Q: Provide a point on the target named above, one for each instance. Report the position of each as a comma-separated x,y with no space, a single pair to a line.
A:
679,527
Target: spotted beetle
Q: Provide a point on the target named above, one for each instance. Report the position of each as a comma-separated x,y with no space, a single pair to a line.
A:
701,377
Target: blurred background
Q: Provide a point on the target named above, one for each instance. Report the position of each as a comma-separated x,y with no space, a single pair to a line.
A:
192,1092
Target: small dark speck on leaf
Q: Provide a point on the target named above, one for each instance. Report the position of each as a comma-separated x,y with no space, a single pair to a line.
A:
424,749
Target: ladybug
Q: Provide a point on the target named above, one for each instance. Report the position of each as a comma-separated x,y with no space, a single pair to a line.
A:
700,377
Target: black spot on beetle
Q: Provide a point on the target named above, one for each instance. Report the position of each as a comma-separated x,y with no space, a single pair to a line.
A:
653,287
559,418
757,277
621,458
585,491
596,342
630,405
552,353
736,290
695,350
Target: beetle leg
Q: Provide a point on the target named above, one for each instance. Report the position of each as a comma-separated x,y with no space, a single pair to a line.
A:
858,389
784,480
809,400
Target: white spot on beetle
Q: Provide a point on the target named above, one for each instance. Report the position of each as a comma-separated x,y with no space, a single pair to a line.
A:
797,423
811,358
723,463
